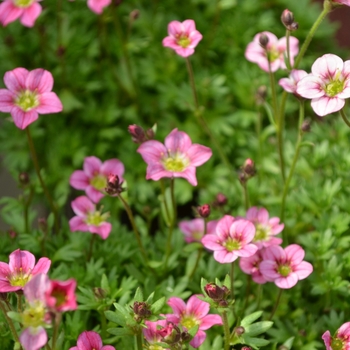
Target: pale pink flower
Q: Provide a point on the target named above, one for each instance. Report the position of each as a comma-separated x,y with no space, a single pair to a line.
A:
285,266
26,10
266,228
290,84
27,95
194,229
342,2
89,219
97,6
328,85
93,179
275,52
341,340
183,37
90,340
21,268
189,315
60,295
151,332
177,158
232,239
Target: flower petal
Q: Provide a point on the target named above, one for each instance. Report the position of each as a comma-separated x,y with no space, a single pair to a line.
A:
178,142
21,260
326,105
23,119
310,87
327,66
287,282
152,151
198,339
6,100
42,266
197,307
113,166
15,79
78,224
33,338
92,166
189,174
82,205
9,12
209,321
223,227
79,180
89,340
177,304
295,254
103,230
39,79
30,14
199,154
94,194
49,103
303,270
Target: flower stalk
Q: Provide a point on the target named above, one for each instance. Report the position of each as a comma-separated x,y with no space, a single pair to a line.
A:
276,304
226,330
10,323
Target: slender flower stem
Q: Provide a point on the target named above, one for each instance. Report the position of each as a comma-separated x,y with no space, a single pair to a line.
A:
296,155
192,82
199,255
232,276
246,195
310,35
56,327
19,302
139,345
172,223
289,66
134,227
27,203
10,323
226,329
343,115
42,183
103,324
276,304
167,212
92,240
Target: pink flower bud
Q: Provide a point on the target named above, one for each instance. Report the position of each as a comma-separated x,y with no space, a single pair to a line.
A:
23,179
204,210
137,133
263,40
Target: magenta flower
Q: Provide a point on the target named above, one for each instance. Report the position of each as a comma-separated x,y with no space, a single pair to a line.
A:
232,239
89,219
151,332
90,340
60,295
97,6
183,37
27,95
266,228
93,179
177,158
189,315
275,51
21,268
27,10
290,84
194,229
341,340
285,266
328,85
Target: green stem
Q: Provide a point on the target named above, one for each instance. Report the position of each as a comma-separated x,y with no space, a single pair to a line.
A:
226,329
199,255
60,48
92,240
289,66
37,169
10,323
192,82
56,328
310,35
343,115
167,212
103,325
27,203
232,276
172,224
276,304
19,302
296,155
246,195
139,345
134,227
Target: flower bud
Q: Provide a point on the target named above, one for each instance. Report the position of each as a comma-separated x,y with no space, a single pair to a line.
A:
306,126
114,186
134,15
216,293
150,134
249,167
141,310
287,19
221,200
263,40
246,348
99,293
137,134
170,334
12,233
204,210
239,330
23,178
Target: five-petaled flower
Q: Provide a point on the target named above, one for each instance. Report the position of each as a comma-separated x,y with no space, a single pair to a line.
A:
285,266
27,95
189,315
27,10
271,58
183,37
21,268
177,158
341,340
232,239
90,340
93,178
290,84
60,295
89,219
328,85
97,6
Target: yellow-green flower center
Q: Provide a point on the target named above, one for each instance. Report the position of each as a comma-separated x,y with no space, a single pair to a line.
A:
284,270
23,3
98,182
183,40
33,316
19,278
27,100
189,321
262,233
175,164
96,218
334,87
337,344
232,244
60,297
273,55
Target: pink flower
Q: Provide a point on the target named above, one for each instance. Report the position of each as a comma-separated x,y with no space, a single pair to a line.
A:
183,37
341,340
97,6
93,179
342,2
328,85
290,84
89,219
90,340
266,228
27,10
285,266
60,295
194,229
21,268
177,158
232,239
27,95
189,315
274,53
151,332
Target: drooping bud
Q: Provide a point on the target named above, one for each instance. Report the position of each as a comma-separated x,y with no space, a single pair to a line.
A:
114,185
260,95
249,167
287,19
23,178
204,210
220,200
137,134
141,310
150,134
239,330
263,40
306,126
217,294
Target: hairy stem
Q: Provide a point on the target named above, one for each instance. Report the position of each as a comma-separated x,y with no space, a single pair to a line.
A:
10,323
226,327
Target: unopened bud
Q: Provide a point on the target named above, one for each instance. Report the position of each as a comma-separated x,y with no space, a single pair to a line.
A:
134,14
216,293
23,178
204,210
220,200
263,40
61,51
287,19
186,337
42,223
170,334
260,95
3,296
306,126
137,133
249,167
141,310
12,233
239,330
246,348
99,293
114,185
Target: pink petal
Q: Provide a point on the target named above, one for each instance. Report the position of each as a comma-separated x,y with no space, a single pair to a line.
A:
113,166
36,288
195,38
89,340
103,230
108,347
223,226
247,251
188,26
327,340
92,166
288,85
94,194
79,180
33,338
209,321
42,266
197,307
9,13
199,154
303,270
6,287
169,41
174,28
82,205
156,172
327,66
287,282
178,305
21,260
30,14
252,214
6,100
178,142
97,6
49,103
4,270
274,253
189,174
78,224
184,51
224,257
268,269
325,105
40,80
15,79
243,230
295,254
198,339
173,318
152,151
310,87
263,216
23,119
211,242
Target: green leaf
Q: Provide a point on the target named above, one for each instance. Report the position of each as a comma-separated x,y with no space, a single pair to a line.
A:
138,295
255,342
14,316
250,318
258,328
115,317
193,331
120,331
105,283
157,305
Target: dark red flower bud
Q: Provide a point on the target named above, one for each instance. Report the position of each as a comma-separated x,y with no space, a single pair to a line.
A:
216,293
137,134
134,14
306,126
287,19
246,348
249,167
220,200
263,40
150,134
204,210
114,186
12,233
23,179
141,310
170,334
239,330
